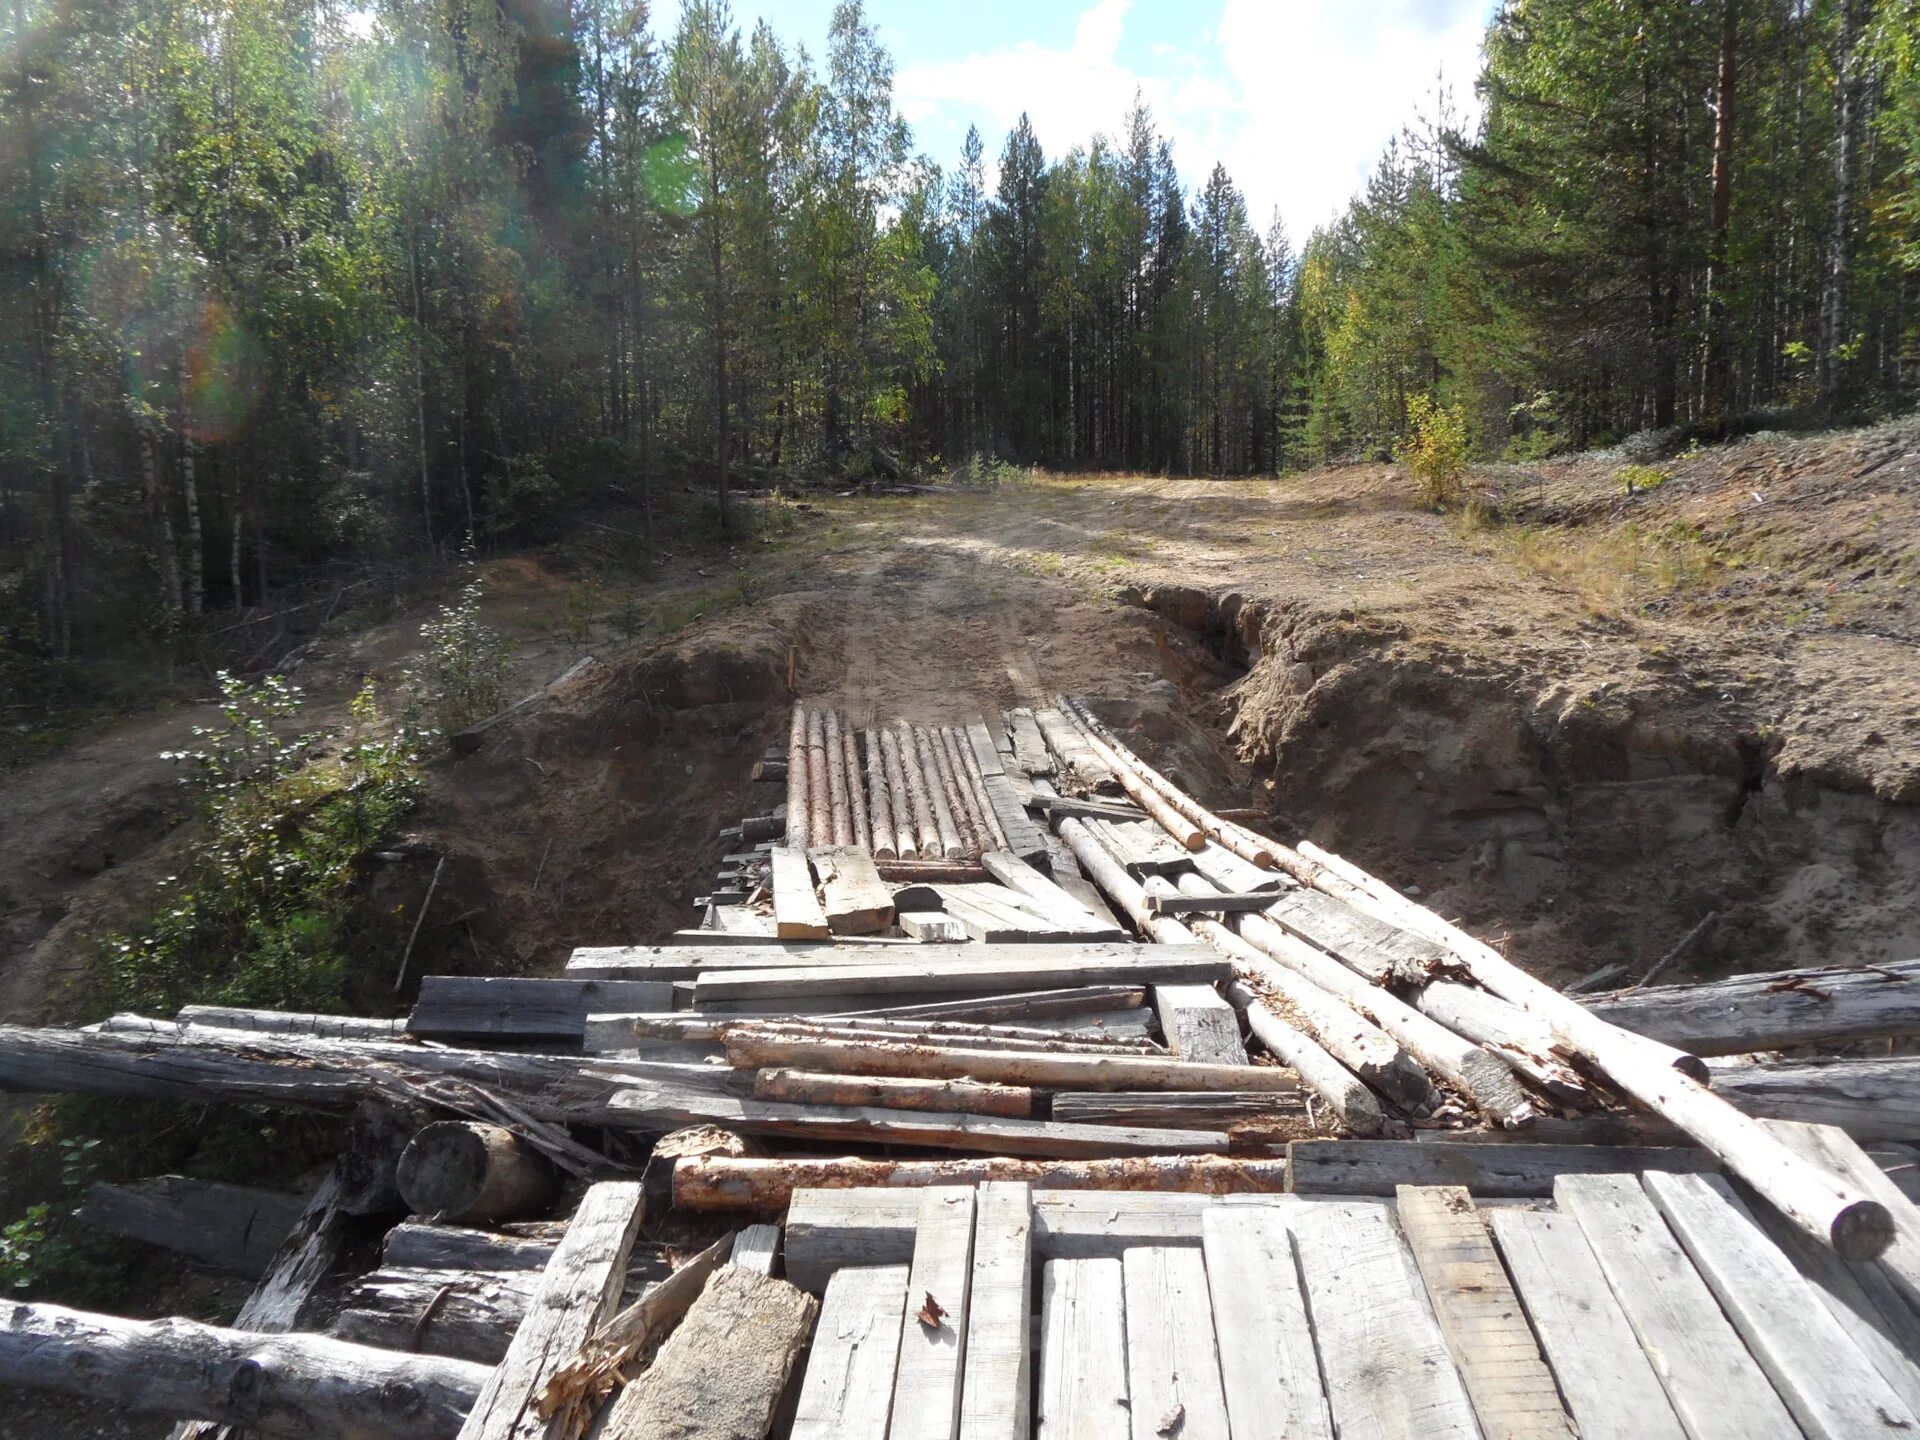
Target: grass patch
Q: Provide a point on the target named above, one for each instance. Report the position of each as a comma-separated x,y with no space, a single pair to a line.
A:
1620,568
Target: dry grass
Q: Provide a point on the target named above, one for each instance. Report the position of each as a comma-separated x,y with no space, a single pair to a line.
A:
1616,569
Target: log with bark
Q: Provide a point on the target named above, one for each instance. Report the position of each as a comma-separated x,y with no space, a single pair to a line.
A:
946,823
819,828
274,1385
906,756
970,1097
465,1173
1176,822
886,844
839,798
798,816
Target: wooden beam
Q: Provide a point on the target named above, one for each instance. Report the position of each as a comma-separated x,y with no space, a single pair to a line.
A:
1267,1362
857,902
951,1096
1200,1027
1083,1351
981,970
1173,1366
503,1007
465,1314
935,1319
848,1390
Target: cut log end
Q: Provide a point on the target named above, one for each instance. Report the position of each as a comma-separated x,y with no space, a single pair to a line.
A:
1862,1230
468,1172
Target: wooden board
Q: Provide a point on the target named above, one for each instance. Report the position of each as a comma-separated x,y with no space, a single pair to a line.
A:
797,911
1041,895
933,1328
1199,1025
1074,759
687,962
1831,1388
1173,1369
980,971
1083,1351
1029,749
984,750
993,914
505,1007
857,901
1372,947
1490,1171
848,1390
1606,1378
1143,847
1717,1389
932,927
1268,1367
1196,1109
996,1398
578,1289
1024,838
1511,1388
1385,1364
1838,1153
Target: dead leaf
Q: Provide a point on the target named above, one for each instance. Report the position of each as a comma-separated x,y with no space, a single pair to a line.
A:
930,1314
1171,1421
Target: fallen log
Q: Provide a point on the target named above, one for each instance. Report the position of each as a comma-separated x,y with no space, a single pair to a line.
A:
759,1048
757,828
973,827
946,824
993,833
1352,1103
905,755
856,793
886,845
819,828
916,872
721,1182
285,1022
462,1314
275,1385
1773,1010
413,1245
944,786
234,1228
1041,895
1837,1213
1169,798
840,811
798,816
905,830
1869,1099
467,1173
969,1097
1180,825
1521,1039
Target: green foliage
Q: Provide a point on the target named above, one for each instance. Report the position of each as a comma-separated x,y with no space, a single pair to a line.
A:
463,675
1435,449
1636,478
261,912
22,1247
581,607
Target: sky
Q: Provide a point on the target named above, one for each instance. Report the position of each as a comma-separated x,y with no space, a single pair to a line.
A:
1295,97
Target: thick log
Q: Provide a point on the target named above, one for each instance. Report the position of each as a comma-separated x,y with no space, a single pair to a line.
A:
1377,1167
839,803
926,825
286,1022
1869,1099
764,1186
886,844
413,1245
857,809
970,1097
918,872
722,1371
1773,1010
467,1173
275,1385
946,823
1178,819
234,1228
798,816
1353,1105
755,829
757,1049
819,787
905,826
1107,871
464,1314
1840,1214
1521,1039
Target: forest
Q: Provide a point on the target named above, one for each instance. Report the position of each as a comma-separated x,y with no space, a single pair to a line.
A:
292,287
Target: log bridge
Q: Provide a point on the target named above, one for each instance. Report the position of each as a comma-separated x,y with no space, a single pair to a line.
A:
1040,1098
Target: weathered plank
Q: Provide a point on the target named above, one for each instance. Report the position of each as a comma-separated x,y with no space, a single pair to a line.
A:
1024,838
1379,1167
797,911
1832,1389
848,1390
511,1007
1199,1025
1511,1388
720,1374
1716,1388
1838,1154
1386,1367
1083,1351
1606,1378
1173,1368
1041,895
1029,749
1267,1363
974,970
235,1228
857,901
467,1314
932,927
415,1246
578,1289
756,1248
995,1400
934,1327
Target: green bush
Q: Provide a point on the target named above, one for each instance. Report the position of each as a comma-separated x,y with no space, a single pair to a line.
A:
464,674
1435,449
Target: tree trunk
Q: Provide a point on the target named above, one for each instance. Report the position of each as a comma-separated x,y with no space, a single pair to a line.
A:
1716,399
1849,107
196,547
722,440
166,556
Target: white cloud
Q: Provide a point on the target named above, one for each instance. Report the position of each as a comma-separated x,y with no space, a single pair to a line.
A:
1296,97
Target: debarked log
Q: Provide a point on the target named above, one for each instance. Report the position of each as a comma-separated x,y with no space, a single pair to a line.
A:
1772,1010
465,1314
274,1385
464,1172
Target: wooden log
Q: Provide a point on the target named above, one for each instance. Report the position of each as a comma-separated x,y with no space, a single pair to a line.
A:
1877,1099
756,1049
893,1093
819,783
1519,1038
577,1291
839,808
796,908
854,898
413,1245
466,1173
1076,766
886,843
1183,817
926,825
283,1022
917,872
684,1026
799,814
945,785
905,823
722,1182
1126,893
234,1228
1378,1167
1198,1109
1353,1105
274,1385
1383,953
722,1371
973,829
949,842
993,834
464,1314
980,970
857,811
1772,1010
769,768
757,829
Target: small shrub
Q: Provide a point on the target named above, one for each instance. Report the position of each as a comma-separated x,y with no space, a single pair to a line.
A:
583,603
1637,478
1435,449
464,673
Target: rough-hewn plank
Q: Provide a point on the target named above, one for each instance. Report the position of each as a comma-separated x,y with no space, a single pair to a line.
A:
1716,1388
511,1007
1511,1388
1267,1363
934,1327
995,1400
848,1390
797,911
932,927
1606,1378
1083,1351
973,970
857,901
1379,1167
